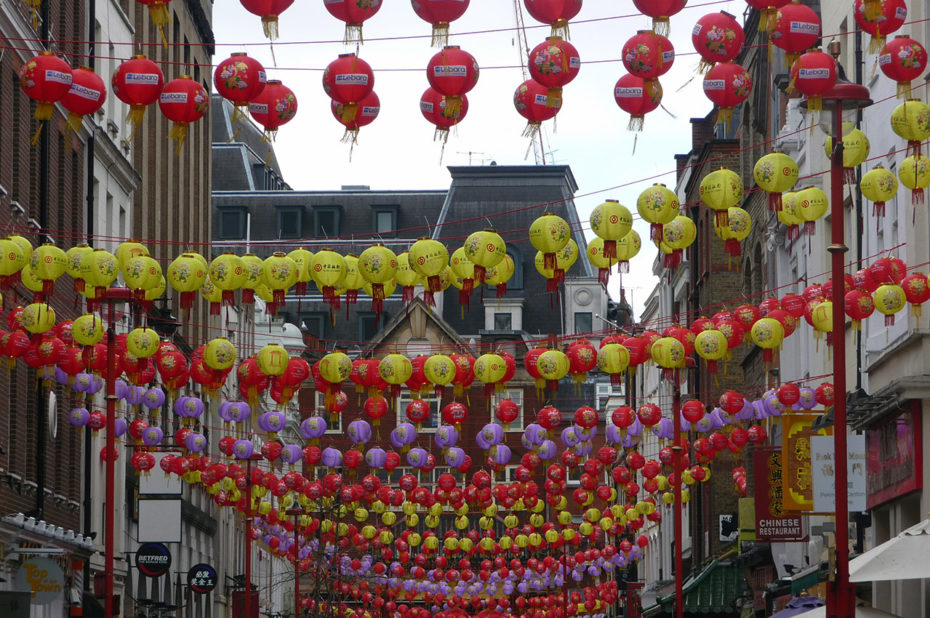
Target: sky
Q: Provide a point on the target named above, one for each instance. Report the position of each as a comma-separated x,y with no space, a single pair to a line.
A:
397,151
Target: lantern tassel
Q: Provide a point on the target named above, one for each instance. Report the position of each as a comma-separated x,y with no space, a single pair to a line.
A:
75,122
660,25
889,319
270,26
876,42
353,35
440,34
636,123
560,28
904,90
531,130
38,134
554,97
917,196
603,275
178,134
134,118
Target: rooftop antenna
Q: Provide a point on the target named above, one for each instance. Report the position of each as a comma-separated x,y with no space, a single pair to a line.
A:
471,154
536,142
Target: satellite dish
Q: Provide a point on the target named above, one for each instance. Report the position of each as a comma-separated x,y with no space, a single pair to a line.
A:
52,415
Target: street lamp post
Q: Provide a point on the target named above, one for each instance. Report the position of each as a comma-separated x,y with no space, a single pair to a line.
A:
248,532
677,452
296,513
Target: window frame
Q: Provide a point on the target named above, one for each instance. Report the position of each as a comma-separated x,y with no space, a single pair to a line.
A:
518,425
321,410
316,316
389,210
575,328
508,315
336,211
286,210
243,214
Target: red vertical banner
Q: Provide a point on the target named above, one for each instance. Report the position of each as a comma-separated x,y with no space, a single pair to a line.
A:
771,522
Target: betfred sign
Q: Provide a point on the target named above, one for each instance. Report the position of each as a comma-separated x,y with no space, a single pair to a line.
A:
153,559
772,523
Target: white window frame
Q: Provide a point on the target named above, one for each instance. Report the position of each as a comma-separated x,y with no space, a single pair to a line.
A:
518,395
321,410
400,405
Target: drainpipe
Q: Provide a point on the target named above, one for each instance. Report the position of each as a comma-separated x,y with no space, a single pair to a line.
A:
89,212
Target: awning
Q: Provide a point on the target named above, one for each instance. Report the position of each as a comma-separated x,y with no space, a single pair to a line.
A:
901,557
716,590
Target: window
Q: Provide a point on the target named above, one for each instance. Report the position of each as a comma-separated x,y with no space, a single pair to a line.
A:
583,322
233,223
369,325
332,427
503,321
385,221
515,395
314,324
290,222
326,222
430,424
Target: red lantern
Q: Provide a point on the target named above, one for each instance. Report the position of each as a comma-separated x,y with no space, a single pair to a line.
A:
46,79
239,79
354,14
903,59
348,80
368,109
582,358
793,304
85,97
268,10
788,394
556,13
649,414
717,37
435,108
813,74
507,412
637,98
727,85
183,101
797,28
648,55
731,402
275,106
439,13
587,417
824,394
879,18
659,11
417,411
916,291
532,102
554,64
859,306
692,411
769,10
549,418
452,72
137,82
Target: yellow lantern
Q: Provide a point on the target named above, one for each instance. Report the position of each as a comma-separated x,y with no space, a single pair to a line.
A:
721,190
186,275
669,354
463,270
329,270
335,367
87,329
48,263
548,234
822,318
856,149
788,215
553,365
37,318
610,221
911,121
12,259
24,245
303,259
389,288
103,270
767,333
775,173
74,266
678,234
810,205
280,274
220,354
490,369
627,248
352,280
395,369
711,345
156,291
915,175
378,265
500,274
739,225
128,250
658,205
273,360
31,280
429,258
228,273
254,270
212,295
484,249
565,259
595,254
141,273
889,299
406,277
879,186
613,359
143,342
439,370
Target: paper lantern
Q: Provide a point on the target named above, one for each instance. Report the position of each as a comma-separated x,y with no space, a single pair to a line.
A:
717,37
484,249
711,345
143,342
916,291
183,101
889,299
348,80
531,100
406,277
813,74
879,186
659,11
103,268
721,190
855,151
268,10
553,365
769,12
440,372
253,269
219,354
439,13
797,28
811,204
903,59
613,359
377,264
366,113
227,273
353,13
38,318
159,15
273,360
275,106
556,13
669,354
678,235
565,259
45,79
328,269
436,108
879,18
767,333
490,369
452,72
280,275
554,64
186,275
239,79
429,258
87,329
647,55
775,173
73,265
595,253
48,263
395,369
549,234
138,82
610,221
657,205
727,85
637,98
627,248
914,173
86,95
911,121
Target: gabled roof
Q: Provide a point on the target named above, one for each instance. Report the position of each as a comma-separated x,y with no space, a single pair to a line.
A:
416,305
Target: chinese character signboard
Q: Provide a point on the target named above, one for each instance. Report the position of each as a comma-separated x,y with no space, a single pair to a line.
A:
894,466
796,453
772,524
824,473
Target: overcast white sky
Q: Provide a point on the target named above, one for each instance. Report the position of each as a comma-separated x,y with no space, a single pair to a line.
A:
397,151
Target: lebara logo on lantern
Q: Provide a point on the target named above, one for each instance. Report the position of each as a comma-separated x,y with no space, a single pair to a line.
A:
142,78
426,107
258,108
804,27
628,93
57,76
450,70
714,84
814,74
84,92
350,79
173,97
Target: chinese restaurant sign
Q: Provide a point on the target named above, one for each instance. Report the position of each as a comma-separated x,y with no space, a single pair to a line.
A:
772,524
797,482
894,466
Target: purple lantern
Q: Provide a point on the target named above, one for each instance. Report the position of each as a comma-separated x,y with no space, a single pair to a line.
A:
195,442
154,398
375,457
223,411
808,399
312,427
240,411
547,450
416,457
359,432
272,422
243,449
291,454
446,436
500,455
493,433
570,436
455,457
332,458
79,417
120,426
152,436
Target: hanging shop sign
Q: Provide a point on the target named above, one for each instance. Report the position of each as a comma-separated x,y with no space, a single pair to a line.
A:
772,524
895,455
797,483
153,559
823,469
42,578
201,578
